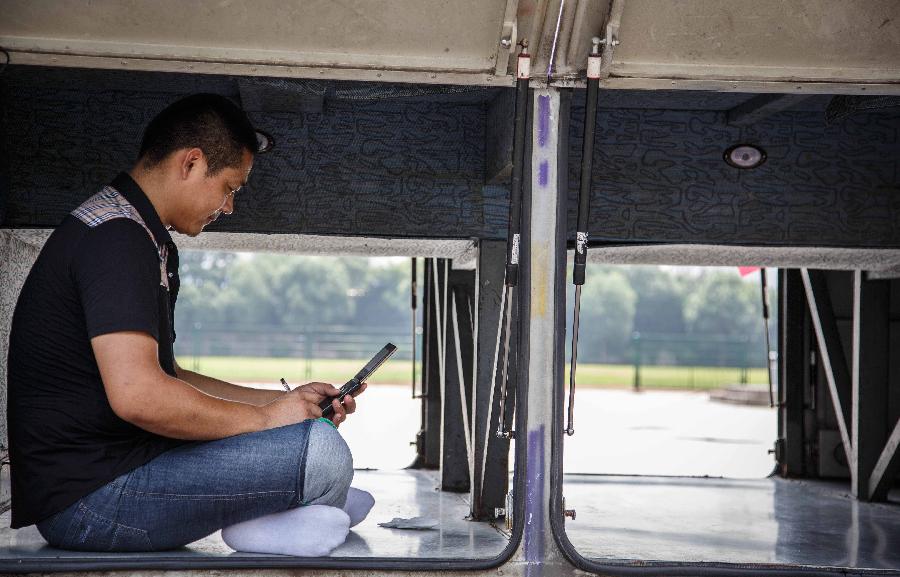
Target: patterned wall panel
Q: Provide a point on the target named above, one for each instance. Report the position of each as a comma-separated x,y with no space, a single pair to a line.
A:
414,166
398,167
18,251
382,169
658,176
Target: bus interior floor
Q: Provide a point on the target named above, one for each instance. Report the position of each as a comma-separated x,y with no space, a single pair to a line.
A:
398,493
620,519
723,520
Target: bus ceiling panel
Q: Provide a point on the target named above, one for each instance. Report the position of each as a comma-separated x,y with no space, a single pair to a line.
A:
837,41
814,47
411,39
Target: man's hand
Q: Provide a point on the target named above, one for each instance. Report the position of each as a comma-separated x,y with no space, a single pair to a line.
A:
348,407
300,404
140,392
305,399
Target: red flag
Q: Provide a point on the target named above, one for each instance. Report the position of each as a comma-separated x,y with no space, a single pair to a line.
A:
745,270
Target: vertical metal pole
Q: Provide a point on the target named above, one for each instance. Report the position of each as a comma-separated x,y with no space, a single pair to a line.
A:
543,320
636,338
441,279
765,304
413,290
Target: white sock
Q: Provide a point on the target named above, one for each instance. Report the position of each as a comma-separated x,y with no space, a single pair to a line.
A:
310,531
358,505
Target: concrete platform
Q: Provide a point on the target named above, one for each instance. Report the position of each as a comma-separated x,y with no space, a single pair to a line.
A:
398,494
708,520
754,395
619,518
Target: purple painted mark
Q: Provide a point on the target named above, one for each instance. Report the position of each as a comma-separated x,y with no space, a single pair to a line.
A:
543,120
534,503
543,173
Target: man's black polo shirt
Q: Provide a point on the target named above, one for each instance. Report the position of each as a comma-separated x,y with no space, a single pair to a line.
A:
103,270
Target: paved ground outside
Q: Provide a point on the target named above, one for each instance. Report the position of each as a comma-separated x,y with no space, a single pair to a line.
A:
669,433
616,432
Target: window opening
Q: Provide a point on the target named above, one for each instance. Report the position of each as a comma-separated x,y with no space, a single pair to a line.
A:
702,513
673,427
257,318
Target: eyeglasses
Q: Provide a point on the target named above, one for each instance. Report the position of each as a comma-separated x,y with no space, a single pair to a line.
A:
232,192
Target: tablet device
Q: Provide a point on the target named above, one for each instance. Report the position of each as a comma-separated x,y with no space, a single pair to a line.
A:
356,382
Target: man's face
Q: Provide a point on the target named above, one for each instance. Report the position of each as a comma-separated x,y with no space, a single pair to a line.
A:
206,197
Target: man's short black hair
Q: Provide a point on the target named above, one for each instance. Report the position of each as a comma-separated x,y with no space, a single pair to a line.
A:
210,122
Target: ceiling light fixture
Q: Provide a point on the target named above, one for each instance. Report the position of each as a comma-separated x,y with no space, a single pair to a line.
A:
264,142
744,156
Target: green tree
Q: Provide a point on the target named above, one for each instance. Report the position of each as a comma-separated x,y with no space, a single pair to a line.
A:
288,291
384,299
607,315
727,308
291,290
721,303
204,277
660,299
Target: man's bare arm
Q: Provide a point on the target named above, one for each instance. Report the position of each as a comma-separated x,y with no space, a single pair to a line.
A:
140,392
226,390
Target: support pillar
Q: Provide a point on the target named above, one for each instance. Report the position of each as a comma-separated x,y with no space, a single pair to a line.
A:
869,379
428,439
542,305
793,374
456,432
834,362
491,474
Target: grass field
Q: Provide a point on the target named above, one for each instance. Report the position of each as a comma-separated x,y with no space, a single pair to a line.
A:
299,371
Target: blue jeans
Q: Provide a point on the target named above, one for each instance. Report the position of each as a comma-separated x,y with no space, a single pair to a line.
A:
194,490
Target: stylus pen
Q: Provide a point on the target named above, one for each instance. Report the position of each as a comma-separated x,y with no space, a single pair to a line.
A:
285,385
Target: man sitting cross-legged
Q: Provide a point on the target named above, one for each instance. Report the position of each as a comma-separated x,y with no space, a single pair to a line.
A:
113,446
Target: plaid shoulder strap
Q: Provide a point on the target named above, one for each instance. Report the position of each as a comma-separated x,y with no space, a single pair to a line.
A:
109,204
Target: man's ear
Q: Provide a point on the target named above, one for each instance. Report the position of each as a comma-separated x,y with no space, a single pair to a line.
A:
191,160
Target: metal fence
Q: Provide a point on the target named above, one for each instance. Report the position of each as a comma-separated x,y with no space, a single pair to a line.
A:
197,340
737,355
697,350
320,342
